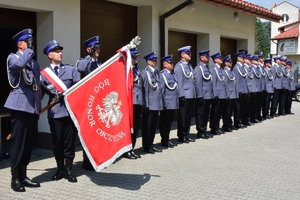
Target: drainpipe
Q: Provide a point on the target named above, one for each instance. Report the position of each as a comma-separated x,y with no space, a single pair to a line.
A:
162,24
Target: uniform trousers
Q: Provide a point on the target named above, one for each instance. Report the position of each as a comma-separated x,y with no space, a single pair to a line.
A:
23,127
263,104
202,114
137,113
275,100
216,111
288,101
253,103
242,101
246,109
282,101
259,96
233,109
267,103
63,134
184,118
165,123
149,124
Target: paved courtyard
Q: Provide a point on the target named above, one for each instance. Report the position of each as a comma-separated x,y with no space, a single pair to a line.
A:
259,162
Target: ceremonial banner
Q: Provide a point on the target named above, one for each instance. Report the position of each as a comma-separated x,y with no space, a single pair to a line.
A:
54,80
101,108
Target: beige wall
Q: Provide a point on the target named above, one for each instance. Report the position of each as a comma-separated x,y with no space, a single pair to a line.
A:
56,19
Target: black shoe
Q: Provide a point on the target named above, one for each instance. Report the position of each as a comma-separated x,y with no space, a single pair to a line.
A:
202,135
268,117
171,143
220,131
183,140
209,135
276,115
189,139
29,183
58,175
128,155
214,132
134,154
166,144
150,151
291,113
70,176
17,185
155,149
227,130
234,128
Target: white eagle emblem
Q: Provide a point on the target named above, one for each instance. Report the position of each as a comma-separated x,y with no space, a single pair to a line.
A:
110,113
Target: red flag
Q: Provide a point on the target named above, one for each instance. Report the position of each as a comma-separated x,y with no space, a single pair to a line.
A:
101,108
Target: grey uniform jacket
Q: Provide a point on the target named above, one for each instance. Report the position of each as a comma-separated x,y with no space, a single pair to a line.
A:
219,84
69,76
241,78
291,80
87,65
269,80
277,76
257,77
152,97
263,76
285,78
203,81
25,95
250,79
231,84
186,84
169,89
137,89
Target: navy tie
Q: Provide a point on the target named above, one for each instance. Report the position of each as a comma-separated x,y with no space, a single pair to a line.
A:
56,70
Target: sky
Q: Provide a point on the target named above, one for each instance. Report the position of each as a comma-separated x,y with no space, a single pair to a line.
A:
268,3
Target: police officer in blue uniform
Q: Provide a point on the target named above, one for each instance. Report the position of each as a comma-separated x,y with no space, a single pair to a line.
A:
62,127
169,91
186,87
291,90
269,88
232,105
256,101
84,67
285,86
137,103
241,82
261,115
152,102
277,76
251,90
24,103
219,94
90,62
204,94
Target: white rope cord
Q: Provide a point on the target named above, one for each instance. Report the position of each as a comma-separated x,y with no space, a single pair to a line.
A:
11,85
232,80
269,74
287,74
261,70
290,75
243,75
278,74
150,82
167,84
206,78
249,75
221,80
186,76
254,71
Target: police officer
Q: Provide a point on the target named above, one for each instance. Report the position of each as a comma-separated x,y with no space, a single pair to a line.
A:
232,105
62,127
219,94
169,91
251,90
256,103
90,62
291,90
85,66
137,103
241,83
285,86
277,76
204,94
152,102
186,88
24,103
260,65
269,88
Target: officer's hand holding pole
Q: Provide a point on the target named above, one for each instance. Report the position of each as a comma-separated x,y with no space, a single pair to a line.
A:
30,43
92,51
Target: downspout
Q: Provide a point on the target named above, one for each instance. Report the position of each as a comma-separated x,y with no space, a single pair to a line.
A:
162,24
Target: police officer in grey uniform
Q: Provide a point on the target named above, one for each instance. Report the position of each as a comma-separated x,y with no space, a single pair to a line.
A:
256,103
232,105
219,93
277,76
186,87
291,90
285,86
152,102
261,115
241,82
84,67
204,94
169,91
137,103
62,127
90,62
24,103
269,88
251,90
